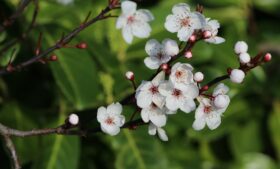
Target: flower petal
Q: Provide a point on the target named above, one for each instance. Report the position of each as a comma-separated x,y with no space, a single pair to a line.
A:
144,15
141,29
188,106
162,134
220,89
127,34
165,88
213,122
101,114
172,23
158,118
159,100
184,33
198,124
119,120
128,7
198,21
145,114
144,99
110,129
121,22
158,79
172,103
181,9
114,108
170,47
215,40
152,62
191,91
153,47
152,130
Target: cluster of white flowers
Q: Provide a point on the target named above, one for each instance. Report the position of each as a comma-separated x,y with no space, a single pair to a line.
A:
177,87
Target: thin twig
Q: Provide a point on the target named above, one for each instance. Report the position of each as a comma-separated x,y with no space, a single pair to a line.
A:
12,151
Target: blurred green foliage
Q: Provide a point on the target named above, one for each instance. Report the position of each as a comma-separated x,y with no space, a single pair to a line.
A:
42,95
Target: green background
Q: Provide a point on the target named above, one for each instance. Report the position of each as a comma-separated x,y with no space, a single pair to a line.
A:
81,80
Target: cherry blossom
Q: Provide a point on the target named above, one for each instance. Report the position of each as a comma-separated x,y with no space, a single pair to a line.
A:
183,21
134,22
153,130
212,26
237,76
160,53
240,47
148,93
110,118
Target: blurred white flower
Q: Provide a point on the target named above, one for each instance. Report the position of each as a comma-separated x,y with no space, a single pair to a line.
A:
181,75
221,100
182,99
240,47
237,76
65,2
153,130
73,119
198,77
244,58
110,118
148,93
213,26
184,21
160,53
134,22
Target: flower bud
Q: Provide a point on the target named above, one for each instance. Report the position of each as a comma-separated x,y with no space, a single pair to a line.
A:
73,119
53,58
221,101
129,75
164,66
81,45
198,77
267,57
240,47
207,34
237,76
192,38
244,58
188,54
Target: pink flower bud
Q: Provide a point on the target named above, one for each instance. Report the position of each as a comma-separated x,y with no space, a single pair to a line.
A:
188,54
267,57
192,38
207,34
129,75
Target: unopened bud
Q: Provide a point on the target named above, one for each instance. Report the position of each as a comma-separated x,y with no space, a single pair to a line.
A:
164,66
129,75
244,58
82,45
267,57
221,101
205,88
207,34
188,54
198,77
10,68
53,58
237,76
192,38
240,47
73,119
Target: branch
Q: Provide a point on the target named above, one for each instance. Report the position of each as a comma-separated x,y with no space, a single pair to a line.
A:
8,22
63,41
12,151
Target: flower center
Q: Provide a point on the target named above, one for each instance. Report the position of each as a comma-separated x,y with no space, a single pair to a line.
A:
207,109
177,93
109,121
185,22
130,19
154,89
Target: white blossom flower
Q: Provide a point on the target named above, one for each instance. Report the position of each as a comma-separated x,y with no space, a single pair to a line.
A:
156,115
198,77
73,119
184,21
244,58
160,53
240,47
221,100
213,26
207,114
110,118
65,2
134,22
148,93
161,133
237,76
182,99
181,75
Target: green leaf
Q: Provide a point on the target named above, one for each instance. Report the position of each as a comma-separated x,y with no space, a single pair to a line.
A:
255,161
137,150
274,127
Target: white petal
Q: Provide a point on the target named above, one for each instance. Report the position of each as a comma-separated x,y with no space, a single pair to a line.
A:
165,88
159,100
172,23
199,112
213,122
101,114
162,134
152,62
170,47
127,34
153,47
119,120
181,9
152,130
144,99
145,85
198,124
158,79
214,24
141,29
110,129
184,33
191,91
144,15
188,106
145,114
114,108
215,40
172,103
220,89
121,22
197,20
128,7
158,118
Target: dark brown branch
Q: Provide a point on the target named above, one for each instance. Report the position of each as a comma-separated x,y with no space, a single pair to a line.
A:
12,151
24,35
9,21
65,40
